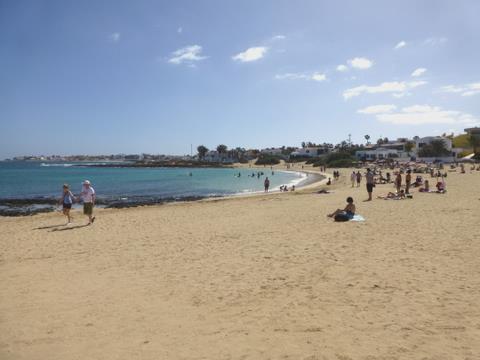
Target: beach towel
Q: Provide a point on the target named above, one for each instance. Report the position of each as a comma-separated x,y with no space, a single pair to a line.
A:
357,217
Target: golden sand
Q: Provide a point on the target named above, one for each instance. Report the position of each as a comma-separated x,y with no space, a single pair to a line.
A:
265,277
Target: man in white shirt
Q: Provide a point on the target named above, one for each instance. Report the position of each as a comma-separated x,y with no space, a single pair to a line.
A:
88,197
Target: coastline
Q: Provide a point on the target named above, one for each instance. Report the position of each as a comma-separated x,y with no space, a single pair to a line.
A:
12,207
253,277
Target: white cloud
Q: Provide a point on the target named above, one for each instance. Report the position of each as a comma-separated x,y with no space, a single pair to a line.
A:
400,45
319,77
433,41
251,54
464,90
342,68
397,87
360,63
114,37
316,76
425,114
291,76
377,109
180,30
418,72
188,55
279,37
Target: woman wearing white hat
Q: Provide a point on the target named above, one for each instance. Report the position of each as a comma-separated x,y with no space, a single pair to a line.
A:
88,197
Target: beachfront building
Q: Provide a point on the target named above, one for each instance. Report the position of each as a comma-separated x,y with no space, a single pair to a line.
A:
215,156
271,151
421,142
310,151
381,153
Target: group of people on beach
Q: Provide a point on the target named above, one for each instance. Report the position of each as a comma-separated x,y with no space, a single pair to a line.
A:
403,186
87,197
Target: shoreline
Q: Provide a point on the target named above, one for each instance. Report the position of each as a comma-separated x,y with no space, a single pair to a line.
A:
17,207
273,271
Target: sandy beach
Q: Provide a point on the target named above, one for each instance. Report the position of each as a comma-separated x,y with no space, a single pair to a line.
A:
263,277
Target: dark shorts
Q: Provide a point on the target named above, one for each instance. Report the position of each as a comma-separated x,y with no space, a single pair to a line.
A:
344,216
67,206
88,208
369,188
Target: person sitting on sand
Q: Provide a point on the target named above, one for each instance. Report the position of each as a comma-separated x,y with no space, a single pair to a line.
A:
329,182
346,214
441,186
394,196
67,200
425,188
418,181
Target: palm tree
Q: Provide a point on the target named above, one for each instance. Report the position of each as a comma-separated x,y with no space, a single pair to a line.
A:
367,137
202,151
222,149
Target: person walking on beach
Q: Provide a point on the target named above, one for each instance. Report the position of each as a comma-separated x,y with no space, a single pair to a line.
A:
370,183
359,178
67,200
266,184
408,181
353,177
88,197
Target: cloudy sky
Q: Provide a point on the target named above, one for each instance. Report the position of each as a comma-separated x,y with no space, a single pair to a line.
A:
157,76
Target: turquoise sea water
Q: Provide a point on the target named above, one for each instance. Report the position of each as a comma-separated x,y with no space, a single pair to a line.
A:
31,180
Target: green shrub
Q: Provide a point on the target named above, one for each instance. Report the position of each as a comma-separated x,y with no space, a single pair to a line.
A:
342,163
267,160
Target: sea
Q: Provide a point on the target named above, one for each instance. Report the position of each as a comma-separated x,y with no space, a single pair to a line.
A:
27,187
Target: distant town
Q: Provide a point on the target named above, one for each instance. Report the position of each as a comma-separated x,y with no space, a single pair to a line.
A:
445,148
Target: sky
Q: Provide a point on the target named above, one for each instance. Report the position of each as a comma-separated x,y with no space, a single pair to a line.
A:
103,77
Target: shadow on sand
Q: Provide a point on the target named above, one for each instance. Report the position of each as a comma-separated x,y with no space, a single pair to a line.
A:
70,227
49,226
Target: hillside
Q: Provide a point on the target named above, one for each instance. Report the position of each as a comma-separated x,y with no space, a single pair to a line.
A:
461,141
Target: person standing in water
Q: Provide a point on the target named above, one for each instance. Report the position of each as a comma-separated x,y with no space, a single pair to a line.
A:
266,184
67,200
88,197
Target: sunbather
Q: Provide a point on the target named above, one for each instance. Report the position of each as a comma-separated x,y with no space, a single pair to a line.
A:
394,196
346,214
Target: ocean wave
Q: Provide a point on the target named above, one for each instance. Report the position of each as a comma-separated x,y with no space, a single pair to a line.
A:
56,165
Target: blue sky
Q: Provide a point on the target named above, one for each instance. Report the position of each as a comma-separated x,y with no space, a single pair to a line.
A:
156,76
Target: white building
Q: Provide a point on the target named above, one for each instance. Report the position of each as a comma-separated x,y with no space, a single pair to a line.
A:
309,151
421,142
215,156
381,154
271,151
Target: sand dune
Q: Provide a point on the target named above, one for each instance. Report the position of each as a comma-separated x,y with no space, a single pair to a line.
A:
266,277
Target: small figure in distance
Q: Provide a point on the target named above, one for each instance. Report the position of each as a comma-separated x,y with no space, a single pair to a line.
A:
266,184
67,200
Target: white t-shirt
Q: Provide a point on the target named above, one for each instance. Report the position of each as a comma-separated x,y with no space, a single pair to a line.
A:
87,194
